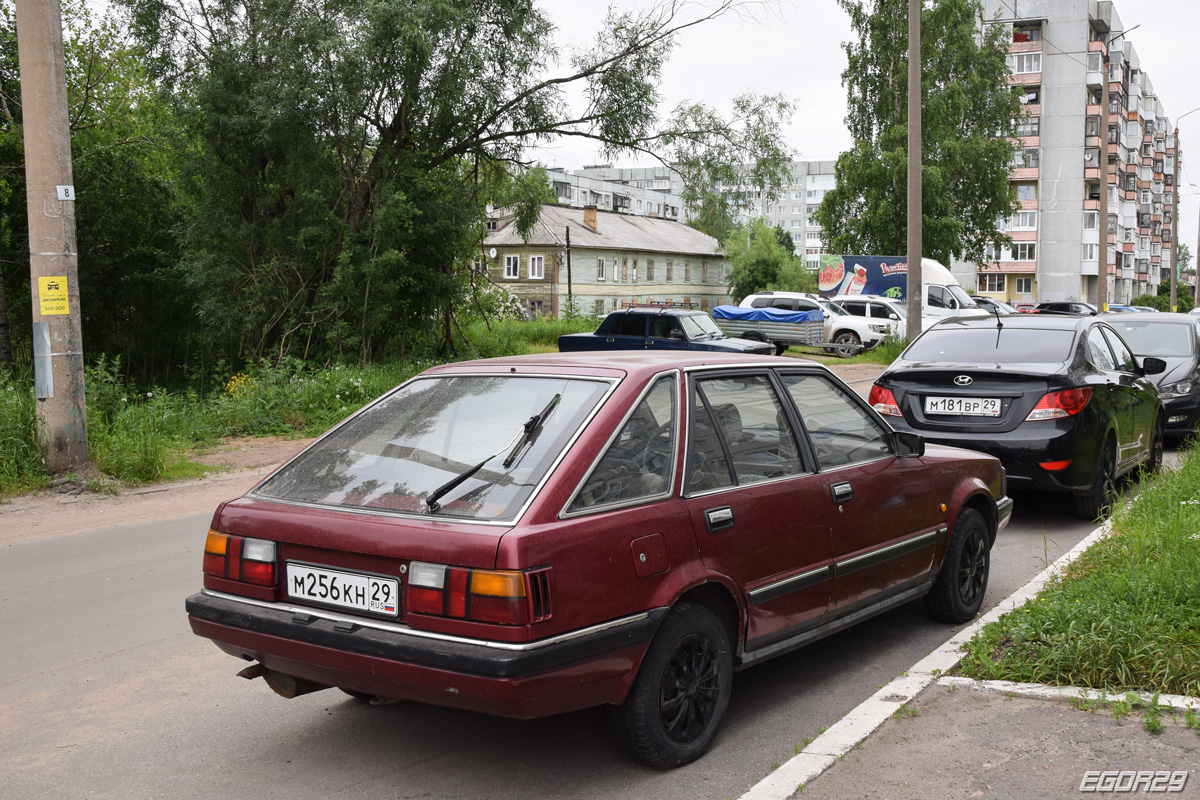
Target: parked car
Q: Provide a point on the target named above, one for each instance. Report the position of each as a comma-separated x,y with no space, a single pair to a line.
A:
992,305
1195,312
848,334
893,313
1173,338
1065,307
1060,400
1025,308
1120,308
659,328
1144,308
533,535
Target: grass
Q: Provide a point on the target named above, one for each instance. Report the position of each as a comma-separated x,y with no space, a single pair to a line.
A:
1125,616
139,435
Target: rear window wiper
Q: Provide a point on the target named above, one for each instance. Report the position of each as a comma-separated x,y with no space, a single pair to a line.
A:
527,435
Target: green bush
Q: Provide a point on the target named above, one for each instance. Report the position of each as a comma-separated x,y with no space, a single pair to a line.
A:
22,467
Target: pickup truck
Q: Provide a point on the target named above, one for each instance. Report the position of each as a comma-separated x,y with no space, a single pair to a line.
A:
659,328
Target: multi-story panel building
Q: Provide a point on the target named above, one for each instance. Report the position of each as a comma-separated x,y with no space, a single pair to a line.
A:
647,198
615,259
792,210
1058,53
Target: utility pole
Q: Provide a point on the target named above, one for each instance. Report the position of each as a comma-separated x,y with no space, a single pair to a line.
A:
916,289
1175,220
53,267
1102,270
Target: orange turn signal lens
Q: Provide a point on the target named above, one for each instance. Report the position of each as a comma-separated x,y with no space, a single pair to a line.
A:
498,584
216,543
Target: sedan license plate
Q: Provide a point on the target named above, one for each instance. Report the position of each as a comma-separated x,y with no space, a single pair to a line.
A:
373,594
963,406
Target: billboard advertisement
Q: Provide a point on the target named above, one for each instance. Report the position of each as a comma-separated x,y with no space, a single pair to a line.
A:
882,275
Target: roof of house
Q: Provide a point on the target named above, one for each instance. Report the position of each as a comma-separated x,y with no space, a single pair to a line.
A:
614,231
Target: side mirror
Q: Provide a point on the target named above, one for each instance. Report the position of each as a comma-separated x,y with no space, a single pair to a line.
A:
894,315
678,334
1153,366
907,444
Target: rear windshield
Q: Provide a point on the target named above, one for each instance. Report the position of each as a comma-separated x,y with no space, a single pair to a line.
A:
394,454
1006,346
1150,338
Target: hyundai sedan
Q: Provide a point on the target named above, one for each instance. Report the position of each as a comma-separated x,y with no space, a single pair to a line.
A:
529,536
1059,399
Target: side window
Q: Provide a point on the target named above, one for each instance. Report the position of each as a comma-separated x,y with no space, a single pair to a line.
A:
880,311
841,430
1125,360
937,297
857,309
629,325
740,434
1098,352
760,302
637,465
784,303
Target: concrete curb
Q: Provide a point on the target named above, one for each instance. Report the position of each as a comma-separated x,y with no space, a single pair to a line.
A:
857,725
1039,691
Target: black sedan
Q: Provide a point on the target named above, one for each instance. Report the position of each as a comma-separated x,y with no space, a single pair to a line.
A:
1173,338
1060,400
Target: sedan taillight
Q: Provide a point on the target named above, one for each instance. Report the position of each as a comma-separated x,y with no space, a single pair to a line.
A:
503,596
1056,405
883,401
238,558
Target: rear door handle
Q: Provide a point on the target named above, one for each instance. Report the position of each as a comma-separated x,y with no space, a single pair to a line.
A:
842,492
718,519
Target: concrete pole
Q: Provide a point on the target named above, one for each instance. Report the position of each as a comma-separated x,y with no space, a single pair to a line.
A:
916,292
1175,220
53,267
1102,270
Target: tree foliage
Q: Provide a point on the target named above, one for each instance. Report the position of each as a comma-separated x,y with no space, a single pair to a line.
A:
969,115
759,261
341,156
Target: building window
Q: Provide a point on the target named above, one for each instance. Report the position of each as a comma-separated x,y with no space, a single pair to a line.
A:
492,224
1025,221
704,272
670,271
649,269
1027,191
1028,126
1091,252
512,266
598,308
992,283
635,271
687,272
599,269
1024,251
1027,33
625,269
704,304
1024,285
535,308
1029,157
1091,220
537,267
1025,63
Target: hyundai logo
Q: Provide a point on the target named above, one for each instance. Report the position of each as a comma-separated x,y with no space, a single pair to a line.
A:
963,380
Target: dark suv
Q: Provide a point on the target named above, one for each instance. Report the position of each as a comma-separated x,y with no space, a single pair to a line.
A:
1066,307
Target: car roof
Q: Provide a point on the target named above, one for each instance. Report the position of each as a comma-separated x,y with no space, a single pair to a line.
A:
617,363
660,311
1024,321
1159,317
878,297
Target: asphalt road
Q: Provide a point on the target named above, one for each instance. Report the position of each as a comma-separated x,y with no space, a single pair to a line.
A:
104,692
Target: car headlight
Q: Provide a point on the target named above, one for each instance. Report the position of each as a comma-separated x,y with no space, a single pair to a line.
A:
1175,389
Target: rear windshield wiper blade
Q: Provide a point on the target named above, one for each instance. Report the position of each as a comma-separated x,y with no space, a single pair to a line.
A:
527,433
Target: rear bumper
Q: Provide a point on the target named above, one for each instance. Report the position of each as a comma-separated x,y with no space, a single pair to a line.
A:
563,673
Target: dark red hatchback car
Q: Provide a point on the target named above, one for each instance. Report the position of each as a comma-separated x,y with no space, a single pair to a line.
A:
528,536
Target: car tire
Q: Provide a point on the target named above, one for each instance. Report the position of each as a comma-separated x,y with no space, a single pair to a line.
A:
848,344
679,697
1099,499
957,594
1155,462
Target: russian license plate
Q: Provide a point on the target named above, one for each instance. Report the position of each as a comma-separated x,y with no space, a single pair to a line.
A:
374,594
963,406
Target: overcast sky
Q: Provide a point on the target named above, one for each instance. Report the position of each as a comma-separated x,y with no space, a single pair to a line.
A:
798,52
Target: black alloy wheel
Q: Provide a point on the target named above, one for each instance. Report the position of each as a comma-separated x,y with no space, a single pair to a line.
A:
681,692
1100,497
957,594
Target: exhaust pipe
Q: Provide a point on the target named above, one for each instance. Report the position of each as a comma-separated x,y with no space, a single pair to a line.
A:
282,685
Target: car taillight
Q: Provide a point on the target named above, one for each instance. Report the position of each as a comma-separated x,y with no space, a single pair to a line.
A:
1055,405
503,596
238,558
883,401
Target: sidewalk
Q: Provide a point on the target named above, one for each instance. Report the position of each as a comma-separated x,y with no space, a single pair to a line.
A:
928,734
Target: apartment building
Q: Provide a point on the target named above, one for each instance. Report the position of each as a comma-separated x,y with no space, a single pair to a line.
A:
650,197
791,211
1059,51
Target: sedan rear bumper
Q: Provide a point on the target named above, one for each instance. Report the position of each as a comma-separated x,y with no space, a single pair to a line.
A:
565,673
